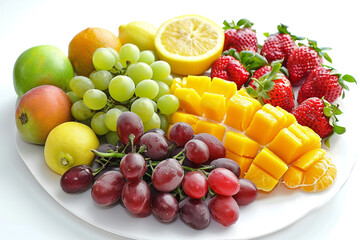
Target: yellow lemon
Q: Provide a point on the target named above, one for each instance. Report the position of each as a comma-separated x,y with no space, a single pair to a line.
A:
189,43
69,144
139,33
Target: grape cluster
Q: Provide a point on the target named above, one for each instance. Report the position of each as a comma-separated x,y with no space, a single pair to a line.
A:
128,80
184,175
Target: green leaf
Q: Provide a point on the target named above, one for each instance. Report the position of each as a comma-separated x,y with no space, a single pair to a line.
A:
348,78
269,85
339,129
264,95
266,34
327,57
252,92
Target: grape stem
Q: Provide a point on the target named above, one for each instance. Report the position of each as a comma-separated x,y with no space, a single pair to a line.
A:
108,154
103,165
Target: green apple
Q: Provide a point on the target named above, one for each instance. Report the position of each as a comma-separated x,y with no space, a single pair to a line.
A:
42,65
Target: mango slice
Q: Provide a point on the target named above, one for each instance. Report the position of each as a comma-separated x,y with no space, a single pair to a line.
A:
212,128
244,162
200,84
189,100
183,117
240,144
262,179
223,87
213,106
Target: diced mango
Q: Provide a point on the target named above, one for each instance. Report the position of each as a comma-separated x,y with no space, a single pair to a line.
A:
308,159
189,100
177,83
212,128
240,144
200,84
244,162
223,87
266,124
262,179
271,163
286,145
290,118
315,140
213,106
239,112
183,117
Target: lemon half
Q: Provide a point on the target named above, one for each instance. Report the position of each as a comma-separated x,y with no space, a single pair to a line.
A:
189,43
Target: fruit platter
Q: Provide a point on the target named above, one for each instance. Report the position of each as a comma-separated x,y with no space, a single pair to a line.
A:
186,130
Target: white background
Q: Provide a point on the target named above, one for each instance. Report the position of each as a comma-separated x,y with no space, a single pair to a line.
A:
28,212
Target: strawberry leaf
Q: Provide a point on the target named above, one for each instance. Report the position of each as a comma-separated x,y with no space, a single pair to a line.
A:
266,34
339,129
242,23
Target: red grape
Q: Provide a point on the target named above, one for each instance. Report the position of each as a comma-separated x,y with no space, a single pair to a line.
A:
194,213
107,188
77,179
164,206
197,151
223,181
216,147
157,146
129,123
224,209
228,164
247,193
167,175
195,184
180,133
133,166
136,197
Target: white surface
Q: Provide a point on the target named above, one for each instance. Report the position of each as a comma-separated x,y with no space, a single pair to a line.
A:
28,211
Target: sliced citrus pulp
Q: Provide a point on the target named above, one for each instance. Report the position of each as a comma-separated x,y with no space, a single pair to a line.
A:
189,43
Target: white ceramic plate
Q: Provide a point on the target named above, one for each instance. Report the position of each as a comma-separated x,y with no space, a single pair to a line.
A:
269,213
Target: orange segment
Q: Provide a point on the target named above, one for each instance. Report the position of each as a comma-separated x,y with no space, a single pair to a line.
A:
293,178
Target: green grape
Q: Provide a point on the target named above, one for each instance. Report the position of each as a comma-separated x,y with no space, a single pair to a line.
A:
154,122
168,80
98,124
95,99
154,105
164,122
129,54
147,88
73,97
121,88
139,71
114,53
80,84
112,137
103,59
161,70
168,104
122,108
143,108
111,118
80,111
163,89
118,66
147,56
101,79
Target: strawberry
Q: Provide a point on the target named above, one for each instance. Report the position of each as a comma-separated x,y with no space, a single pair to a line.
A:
324,82
259,73
303,60
279,45
240,36
236,67
273,88
319,115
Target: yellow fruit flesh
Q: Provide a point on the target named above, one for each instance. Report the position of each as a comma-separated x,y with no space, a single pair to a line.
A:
213,106
240,144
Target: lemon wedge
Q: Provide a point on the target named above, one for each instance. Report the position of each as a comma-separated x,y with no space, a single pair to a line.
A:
189,43
139,33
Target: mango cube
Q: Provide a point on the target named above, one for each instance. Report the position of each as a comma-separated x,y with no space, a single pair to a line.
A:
240,110
212,128
183,117
177,83
244,162
240,144
199,83
189,100
290,118
271,163
308,159
213,106
223,87
262,179
266,123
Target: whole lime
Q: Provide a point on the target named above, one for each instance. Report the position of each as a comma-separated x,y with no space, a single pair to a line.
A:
42,65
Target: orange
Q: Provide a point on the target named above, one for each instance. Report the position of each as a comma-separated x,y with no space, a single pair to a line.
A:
84,44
